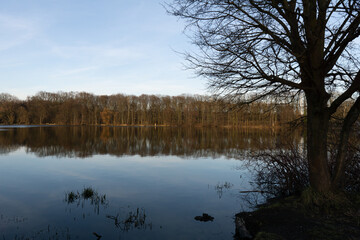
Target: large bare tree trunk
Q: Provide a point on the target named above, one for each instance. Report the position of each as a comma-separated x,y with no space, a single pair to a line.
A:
350,119
317,130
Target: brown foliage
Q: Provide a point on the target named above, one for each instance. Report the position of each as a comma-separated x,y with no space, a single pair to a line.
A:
84,108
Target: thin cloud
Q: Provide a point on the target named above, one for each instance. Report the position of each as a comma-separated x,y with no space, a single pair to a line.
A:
98,52
74,71
15,31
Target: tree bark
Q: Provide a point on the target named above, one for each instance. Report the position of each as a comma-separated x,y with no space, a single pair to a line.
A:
350,119
317,130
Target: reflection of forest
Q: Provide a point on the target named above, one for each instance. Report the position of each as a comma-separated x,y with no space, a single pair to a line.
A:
144,141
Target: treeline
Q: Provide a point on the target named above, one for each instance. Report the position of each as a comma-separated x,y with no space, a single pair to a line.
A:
73,108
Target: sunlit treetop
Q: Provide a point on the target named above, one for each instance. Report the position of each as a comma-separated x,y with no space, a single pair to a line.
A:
271,47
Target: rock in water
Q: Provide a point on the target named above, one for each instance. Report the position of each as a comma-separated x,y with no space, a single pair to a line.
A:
204,218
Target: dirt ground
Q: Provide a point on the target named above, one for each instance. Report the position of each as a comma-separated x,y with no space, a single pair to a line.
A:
286,220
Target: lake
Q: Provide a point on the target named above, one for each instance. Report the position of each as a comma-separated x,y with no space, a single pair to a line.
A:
61,182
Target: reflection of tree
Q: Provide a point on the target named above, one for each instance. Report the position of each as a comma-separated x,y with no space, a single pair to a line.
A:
143,141
8,149
7,144
131,220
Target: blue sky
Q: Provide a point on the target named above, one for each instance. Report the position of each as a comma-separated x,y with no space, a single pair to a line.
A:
101,47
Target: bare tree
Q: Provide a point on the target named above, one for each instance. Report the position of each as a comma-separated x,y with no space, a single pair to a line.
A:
283,47
8,105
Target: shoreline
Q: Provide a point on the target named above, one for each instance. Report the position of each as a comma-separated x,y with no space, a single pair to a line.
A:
289,218
140,125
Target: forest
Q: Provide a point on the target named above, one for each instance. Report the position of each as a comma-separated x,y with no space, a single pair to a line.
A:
73,108
81,108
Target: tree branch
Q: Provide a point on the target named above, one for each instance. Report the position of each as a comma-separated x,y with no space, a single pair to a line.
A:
355,86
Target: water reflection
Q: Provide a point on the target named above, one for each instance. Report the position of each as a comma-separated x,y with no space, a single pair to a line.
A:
14,220
88,194
48,232
125,220
220,188
139,197
83,141
133,219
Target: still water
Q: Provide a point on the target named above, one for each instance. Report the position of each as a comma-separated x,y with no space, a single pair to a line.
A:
124,182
